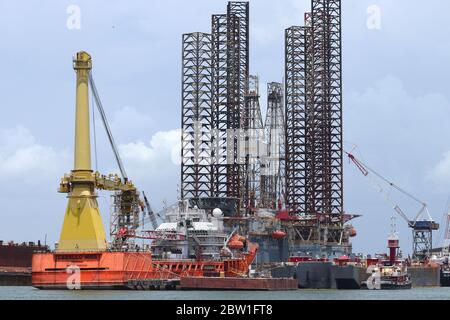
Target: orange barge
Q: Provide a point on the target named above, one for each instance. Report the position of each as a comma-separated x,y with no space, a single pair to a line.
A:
117,269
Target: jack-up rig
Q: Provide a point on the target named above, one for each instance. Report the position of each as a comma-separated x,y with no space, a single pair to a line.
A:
278,180
83,248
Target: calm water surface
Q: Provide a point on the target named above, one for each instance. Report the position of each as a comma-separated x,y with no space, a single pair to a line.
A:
18,293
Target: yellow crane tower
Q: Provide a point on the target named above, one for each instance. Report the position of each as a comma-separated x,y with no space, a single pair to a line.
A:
83,229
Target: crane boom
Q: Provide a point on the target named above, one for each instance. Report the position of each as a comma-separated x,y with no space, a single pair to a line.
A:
106,125
365,170
422,228
150,212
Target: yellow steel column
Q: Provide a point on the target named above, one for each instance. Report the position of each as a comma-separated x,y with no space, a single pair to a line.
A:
82,228
82,65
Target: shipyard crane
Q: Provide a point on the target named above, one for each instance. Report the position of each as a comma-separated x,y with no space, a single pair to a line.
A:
83,181
83,228
100,109
150,212
421,228
145,206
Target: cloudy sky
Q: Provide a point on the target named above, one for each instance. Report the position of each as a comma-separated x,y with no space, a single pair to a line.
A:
396,59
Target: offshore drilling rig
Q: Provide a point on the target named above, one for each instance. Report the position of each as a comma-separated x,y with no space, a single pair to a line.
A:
279,180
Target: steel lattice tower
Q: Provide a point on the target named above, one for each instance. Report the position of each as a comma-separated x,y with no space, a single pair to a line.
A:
196,166
295,110
274,130
219,48
311,119
253,126
447,231
229,78
222,169
326,183
240,11
314,112
234,182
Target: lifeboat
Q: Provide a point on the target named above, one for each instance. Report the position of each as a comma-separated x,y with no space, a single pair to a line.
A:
278,234
235,242
353,232
242,239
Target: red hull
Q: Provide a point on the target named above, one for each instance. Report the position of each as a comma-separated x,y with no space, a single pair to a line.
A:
114,270
18,255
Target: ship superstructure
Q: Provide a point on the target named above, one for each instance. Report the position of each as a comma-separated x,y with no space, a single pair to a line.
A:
189,233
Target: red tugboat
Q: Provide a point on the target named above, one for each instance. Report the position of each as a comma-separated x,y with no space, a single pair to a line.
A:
393,274
388,278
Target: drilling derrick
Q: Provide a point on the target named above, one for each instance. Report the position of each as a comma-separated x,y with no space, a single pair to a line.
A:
271,171
253,127
196,166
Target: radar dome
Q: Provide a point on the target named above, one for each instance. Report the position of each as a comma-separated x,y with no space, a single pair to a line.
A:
217,213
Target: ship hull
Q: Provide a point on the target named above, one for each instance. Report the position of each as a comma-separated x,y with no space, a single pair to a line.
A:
15,276
15,263
257,284
424,276
390,286
325,275
123,270
444,279
349,277
309,275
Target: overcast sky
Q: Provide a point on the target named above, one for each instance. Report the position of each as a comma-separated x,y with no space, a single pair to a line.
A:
396,100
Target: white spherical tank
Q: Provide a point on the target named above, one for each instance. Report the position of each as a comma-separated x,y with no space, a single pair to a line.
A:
217,213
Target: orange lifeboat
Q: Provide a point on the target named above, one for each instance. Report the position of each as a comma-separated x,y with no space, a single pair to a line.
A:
235,242
241,238
278,234
353,232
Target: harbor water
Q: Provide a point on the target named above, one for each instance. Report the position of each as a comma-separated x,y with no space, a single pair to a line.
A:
30,293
